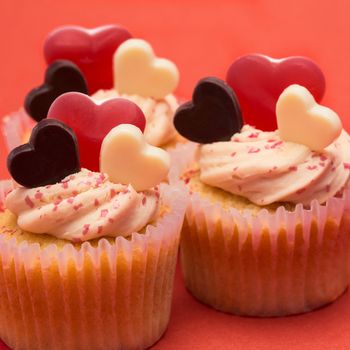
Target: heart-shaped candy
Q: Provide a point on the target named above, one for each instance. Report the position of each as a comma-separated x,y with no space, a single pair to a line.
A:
50,155
258,81
92,122
138,71
128,159
301,120
90,49
212,115
60,77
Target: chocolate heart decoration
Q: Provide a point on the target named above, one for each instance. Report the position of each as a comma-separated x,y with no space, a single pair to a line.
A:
60,77
259,80
214,115
90,49
92,122
50,155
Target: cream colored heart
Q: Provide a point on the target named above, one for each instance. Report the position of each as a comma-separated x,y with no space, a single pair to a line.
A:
126,158
138,71
302,120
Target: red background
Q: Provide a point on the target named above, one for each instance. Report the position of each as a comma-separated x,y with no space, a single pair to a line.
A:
202,38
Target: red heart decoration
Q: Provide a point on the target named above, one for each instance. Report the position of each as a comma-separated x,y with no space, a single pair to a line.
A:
259,80
92,122
90,49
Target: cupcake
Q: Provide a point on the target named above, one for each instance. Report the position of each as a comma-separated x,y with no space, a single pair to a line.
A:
267,230
131,72
87,258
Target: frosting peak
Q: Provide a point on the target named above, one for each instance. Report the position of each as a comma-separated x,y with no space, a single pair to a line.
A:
260,166
83,206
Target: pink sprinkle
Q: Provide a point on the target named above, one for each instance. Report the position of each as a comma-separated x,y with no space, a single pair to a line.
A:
113,192
86,228
55,207
75,193
96,202
144,199
90,174
323,157
321,164
311,167
276,144
233,154
293,168
38,195
301,191
99,229
271,140
346,165
70,200
29,202
333,169
254,150
78,206
110,220
100,179
253,135
58,201
125,191
104,213
65,184
267,147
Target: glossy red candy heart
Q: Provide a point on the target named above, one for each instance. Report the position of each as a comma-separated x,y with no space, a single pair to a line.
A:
258,81
90,49
92,122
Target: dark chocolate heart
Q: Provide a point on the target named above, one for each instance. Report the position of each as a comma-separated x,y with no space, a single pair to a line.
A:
60,77
50,155
213,114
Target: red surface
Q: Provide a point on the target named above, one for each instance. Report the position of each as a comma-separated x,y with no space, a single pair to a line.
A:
203,38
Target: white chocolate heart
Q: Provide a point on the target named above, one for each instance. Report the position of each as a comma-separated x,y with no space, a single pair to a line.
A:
126,158
138,71
302,120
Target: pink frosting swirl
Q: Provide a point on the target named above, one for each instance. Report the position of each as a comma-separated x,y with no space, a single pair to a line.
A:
83,206
159,114
264,169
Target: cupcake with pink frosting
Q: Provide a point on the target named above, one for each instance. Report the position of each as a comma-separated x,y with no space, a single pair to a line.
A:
267,230
87,258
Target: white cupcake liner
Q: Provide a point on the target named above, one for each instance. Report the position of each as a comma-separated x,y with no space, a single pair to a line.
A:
269,264
109,296
14,127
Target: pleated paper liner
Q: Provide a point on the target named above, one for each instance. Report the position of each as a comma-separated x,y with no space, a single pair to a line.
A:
270,264
114,295
16,128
